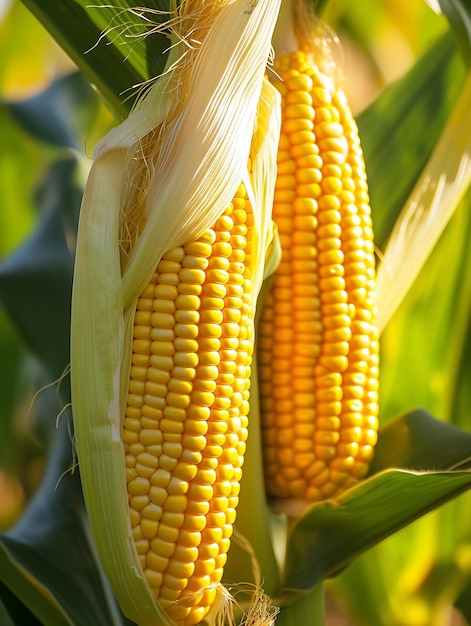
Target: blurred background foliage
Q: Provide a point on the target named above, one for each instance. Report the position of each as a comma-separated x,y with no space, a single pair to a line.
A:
422,575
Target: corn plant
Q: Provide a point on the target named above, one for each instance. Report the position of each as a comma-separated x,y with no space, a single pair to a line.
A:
189,478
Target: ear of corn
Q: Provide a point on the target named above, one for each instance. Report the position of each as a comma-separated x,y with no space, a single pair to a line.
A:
174,230
318,342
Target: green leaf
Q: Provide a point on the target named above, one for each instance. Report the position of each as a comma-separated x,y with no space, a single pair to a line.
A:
458,13
30,593
427,366
400,129
61,115
12,388
418,441
117,61
331,534
20,159
47,559
422,450
13,612
35,283
319,5
459,318
464,601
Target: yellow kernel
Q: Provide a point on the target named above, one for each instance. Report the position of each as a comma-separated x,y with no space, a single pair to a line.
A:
162,334
185,359
321,95
147,460
210,330
202,398
295,111
169,425
295,125
187,302
189,331
198,249
175,503
149,528
175,254
141,346
139,486
308,176
192,275
163,306
208,550
168,266
194,523
179,387
144,304
194,442
142,546
141,332
214,290
298,97
160,478
167,533
162,348
198,412
173,582
137,503
186,317
134,517
331,185
133,425
165,292
158,495
150,437
178,400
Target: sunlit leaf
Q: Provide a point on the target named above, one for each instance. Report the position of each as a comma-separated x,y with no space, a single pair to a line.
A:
418,441
78,26
22,72
400,129
331,534
460,320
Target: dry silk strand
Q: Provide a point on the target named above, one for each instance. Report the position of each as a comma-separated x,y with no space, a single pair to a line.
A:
174,240
318,343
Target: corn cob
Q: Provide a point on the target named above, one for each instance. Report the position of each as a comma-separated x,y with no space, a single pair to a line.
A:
186,418
318,344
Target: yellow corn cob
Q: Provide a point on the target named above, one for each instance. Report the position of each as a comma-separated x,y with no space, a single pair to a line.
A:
186,418
318,344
